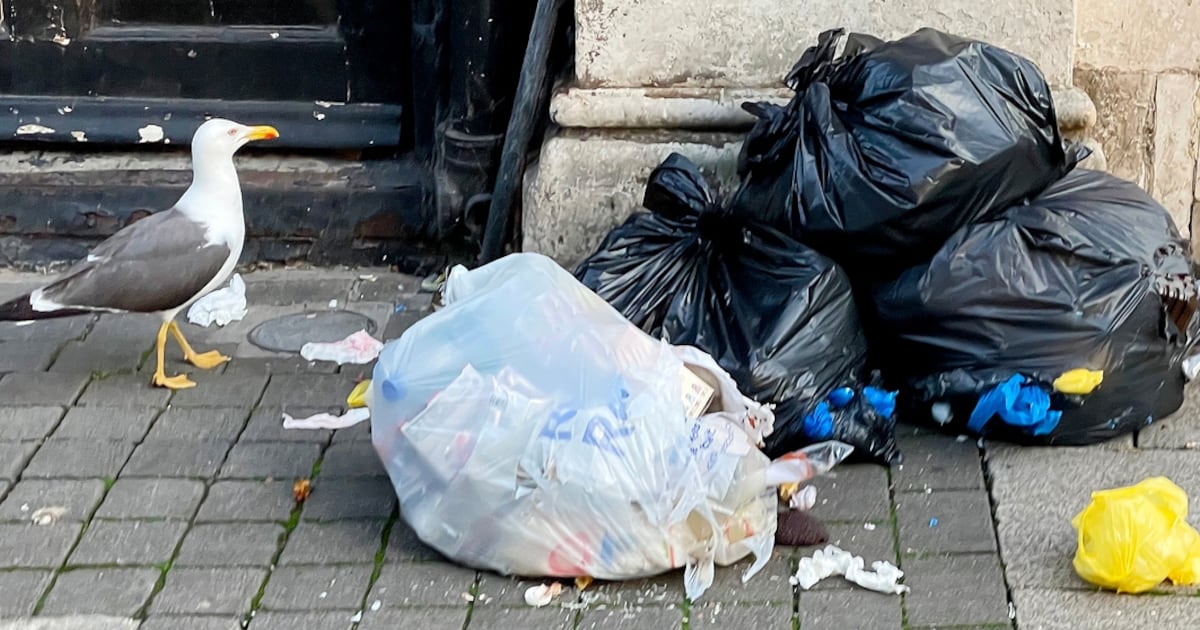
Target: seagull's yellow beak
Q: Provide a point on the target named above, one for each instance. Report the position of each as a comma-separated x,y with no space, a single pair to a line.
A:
262,132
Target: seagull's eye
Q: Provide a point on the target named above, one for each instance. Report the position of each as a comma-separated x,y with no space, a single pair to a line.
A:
232,132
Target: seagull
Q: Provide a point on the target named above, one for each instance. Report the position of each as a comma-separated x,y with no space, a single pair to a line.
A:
166,261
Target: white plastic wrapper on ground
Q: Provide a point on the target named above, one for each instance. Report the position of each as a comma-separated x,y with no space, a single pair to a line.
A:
358,348
220,307
529,429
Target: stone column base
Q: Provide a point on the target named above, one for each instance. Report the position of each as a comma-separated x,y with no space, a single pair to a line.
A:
592,173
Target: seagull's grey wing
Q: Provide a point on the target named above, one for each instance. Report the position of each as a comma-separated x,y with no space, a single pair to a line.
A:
155,264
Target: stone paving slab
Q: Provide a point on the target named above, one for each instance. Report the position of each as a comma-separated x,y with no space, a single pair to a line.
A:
230,545
837,609
1079,610
278,460
203,486
177,458
239,390
506,618
713,616
124,391
424,618
25,545
337,542
41,388
152,499
128,543
115,592
71,622
352,459
28,423
102,356
955,590
94,423
191,622
350,498
183,423
317,588
266,424
632,618
427,584
27,356
46,330
247,501
213,591
78,497
856,492
21,590
13,457
79,458
303,621
949,521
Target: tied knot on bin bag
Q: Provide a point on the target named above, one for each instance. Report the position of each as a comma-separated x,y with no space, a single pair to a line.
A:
678,192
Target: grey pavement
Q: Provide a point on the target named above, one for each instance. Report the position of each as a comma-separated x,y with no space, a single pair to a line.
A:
178,510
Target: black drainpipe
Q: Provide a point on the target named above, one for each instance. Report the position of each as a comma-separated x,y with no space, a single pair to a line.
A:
528,114
485,41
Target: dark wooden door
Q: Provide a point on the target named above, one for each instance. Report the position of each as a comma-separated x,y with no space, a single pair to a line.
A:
327,73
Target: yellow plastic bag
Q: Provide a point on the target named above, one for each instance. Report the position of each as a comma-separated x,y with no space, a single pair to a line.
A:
1131,539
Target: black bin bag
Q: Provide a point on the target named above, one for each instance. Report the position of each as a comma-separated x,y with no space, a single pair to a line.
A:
886,150
1089,280
778,316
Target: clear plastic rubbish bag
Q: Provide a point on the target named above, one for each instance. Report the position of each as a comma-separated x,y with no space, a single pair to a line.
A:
530,429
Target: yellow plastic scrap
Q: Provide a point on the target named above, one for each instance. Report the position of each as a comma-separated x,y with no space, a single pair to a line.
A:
358,395
1133,538
1080,381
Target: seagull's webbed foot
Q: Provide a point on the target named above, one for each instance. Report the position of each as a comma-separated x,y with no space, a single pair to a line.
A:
180,381
204,361
207,360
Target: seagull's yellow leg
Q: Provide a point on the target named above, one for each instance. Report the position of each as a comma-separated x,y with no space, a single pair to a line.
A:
205,361
180,381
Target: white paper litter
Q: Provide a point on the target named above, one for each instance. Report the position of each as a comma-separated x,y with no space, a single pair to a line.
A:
220,307
540,595
48,515
832,561
357,348
328,420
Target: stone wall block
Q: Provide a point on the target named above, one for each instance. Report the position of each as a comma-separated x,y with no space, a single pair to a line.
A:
1174,146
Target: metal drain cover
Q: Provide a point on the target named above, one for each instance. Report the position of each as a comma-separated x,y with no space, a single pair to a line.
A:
289,333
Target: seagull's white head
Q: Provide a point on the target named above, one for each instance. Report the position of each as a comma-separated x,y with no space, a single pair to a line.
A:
215,190
218,139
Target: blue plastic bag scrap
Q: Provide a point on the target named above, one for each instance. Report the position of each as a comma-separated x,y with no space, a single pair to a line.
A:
1018,404
863,415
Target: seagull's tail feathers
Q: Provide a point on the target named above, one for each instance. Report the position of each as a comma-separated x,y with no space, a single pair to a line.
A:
21,309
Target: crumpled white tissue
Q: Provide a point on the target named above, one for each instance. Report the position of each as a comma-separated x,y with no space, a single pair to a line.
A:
360,347
834,561
328,420
220,307
804,499
1191,367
